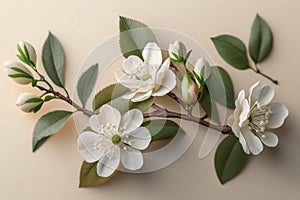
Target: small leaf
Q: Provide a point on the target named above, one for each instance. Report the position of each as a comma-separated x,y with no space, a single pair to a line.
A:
33,100
113,95
47,126
220,87
87,83
53,60
134,36
209,106
48,98
232,50
161,129
89,177
230,159
261,40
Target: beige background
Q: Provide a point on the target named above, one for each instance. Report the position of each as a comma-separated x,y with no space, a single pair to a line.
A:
52,172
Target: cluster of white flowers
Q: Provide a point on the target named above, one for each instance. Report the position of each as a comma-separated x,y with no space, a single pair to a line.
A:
118,139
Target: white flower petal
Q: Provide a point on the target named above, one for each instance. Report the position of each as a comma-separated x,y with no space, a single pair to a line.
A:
131,64
254,144
152,54
266,95
139,138
128,95
141,96
254,92
269,139
126,81
202,63
174,48
279,113
241,97
131,159
86,141
236,128
244,144
131,120
161,71
107,114
168,84
245,112
107,166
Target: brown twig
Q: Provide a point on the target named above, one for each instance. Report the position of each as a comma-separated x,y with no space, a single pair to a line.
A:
257,70
164,113
59,95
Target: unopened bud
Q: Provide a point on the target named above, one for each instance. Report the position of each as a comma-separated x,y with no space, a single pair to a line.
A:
18,72
28,50
189,90
29,102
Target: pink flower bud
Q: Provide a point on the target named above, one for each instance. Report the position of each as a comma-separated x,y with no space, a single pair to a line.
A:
189,90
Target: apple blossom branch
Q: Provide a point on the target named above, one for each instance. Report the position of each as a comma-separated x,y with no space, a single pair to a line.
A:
59,95
162,112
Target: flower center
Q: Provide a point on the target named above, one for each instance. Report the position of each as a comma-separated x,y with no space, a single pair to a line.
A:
109,130
146,77
105,146
116,139
259,117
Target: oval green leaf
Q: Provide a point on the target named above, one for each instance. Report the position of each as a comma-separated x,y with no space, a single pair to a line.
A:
261,40
87,83
54,60
230,159
161,129
232,50
134,35
220,87
89,177
48,125
113,95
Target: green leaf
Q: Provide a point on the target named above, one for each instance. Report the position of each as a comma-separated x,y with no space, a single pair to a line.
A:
53,60
26,75
33,100
230,159
161,129
48,98
134,36
113,95
47,126
232,50
87,83
89,176
220,87
261,40
37,108
209,106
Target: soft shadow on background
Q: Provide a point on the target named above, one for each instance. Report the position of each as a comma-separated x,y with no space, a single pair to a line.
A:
53,171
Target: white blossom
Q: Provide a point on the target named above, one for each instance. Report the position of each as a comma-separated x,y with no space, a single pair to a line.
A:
254,116
147,77
114,139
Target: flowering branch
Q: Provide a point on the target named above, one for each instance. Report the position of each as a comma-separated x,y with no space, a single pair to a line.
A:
164,113
59,95
66,99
